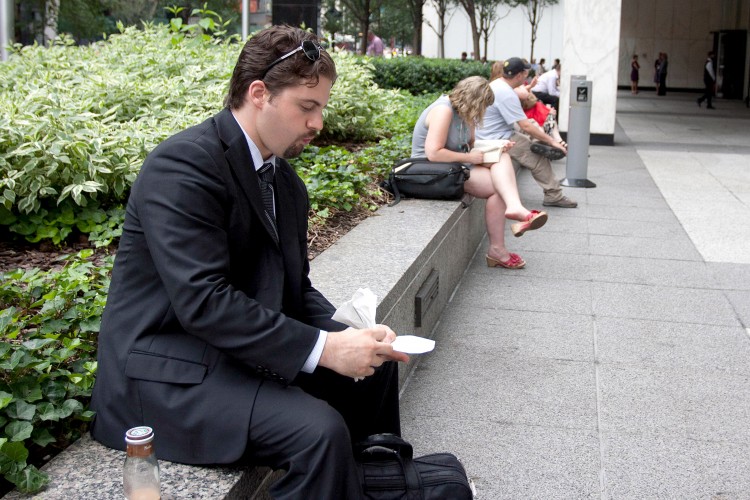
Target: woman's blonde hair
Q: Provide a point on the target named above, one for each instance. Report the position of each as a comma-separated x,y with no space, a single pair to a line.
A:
497,70
471,97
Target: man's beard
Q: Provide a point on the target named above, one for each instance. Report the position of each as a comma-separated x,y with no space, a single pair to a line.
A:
293,151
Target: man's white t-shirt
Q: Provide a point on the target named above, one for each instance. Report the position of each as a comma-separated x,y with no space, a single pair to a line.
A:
502,114
548,83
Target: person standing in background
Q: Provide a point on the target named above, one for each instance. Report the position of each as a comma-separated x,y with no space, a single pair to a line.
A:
657,63
634,74
663,66
709,80
374,45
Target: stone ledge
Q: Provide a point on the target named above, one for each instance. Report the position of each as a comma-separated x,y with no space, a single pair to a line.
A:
392,253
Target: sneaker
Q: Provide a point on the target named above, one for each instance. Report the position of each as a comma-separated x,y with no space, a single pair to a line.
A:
563,202
549,152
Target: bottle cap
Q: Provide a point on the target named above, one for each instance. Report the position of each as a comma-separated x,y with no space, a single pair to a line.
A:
139,435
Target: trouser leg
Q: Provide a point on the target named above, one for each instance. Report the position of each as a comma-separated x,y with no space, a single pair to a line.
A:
296,432
369,406
307,429
540,167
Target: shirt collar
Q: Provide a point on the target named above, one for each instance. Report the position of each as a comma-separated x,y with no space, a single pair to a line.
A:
254,151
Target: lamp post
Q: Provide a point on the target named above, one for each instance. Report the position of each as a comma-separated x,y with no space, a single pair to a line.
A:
245,18
6,27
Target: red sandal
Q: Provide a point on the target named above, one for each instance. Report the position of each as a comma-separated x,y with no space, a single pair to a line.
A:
514,262
534,220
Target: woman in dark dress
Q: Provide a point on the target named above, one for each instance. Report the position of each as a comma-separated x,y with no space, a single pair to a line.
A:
634,69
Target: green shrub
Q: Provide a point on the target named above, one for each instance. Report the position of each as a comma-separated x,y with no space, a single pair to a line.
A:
79,121
359,110
49,322
419,75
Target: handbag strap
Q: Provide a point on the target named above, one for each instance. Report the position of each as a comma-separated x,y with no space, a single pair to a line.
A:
390,446
386,440
394,187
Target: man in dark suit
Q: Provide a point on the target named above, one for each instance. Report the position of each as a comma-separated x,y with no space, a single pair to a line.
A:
709,81
213,333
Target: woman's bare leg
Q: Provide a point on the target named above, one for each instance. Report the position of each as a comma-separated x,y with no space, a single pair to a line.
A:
494,217
480,185
504,183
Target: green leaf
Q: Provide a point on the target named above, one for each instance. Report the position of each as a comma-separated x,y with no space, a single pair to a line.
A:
5,399
29,479
42,437
18,430
13,456
47,412
21,410
35,344
69,407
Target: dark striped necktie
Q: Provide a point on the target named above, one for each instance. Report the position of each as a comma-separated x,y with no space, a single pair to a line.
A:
265,174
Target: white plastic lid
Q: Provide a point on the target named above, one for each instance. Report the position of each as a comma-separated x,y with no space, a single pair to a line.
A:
139,435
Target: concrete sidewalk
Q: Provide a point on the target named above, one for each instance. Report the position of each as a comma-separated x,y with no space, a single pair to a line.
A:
617,364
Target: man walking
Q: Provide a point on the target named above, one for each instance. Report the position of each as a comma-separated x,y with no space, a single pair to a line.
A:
709,81
374,45
498,124
213,333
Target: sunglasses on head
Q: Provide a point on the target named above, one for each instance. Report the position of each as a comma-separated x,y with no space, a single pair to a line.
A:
308,47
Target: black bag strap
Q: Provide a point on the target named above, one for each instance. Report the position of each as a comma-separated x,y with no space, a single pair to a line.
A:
386,440
389,446
394,187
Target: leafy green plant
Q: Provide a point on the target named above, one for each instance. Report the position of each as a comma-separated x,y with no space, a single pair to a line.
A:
48,327
211,27
419,75
79,121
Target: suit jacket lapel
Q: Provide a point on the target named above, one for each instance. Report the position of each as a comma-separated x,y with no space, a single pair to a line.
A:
238,156
286,220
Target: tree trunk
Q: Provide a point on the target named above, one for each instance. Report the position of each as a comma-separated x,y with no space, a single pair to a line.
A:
441,36
534,19
51,11
417,37
475,37
365,30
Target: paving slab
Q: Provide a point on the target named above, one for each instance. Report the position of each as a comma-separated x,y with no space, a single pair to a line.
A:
646,269
662,344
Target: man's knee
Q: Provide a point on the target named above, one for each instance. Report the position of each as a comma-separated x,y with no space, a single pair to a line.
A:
325,426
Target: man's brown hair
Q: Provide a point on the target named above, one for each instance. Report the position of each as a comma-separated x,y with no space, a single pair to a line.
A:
264,48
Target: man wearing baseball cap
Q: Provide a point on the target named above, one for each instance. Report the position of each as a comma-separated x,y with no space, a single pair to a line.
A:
499,121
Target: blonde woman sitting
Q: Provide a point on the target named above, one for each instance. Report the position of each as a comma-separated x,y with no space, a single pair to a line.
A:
445,133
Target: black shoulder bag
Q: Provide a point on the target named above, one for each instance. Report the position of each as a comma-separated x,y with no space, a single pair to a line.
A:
422,178
388,472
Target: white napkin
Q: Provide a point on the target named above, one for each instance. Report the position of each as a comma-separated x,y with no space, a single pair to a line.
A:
411,344
359,312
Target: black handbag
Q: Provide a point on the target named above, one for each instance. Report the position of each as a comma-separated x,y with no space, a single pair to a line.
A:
388,472
421,178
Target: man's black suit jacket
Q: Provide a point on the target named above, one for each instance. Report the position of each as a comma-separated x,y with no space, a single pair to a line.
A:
204,304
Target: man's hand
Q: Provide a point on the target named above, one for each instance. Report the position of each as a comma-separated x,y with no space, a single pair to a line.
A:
560,145
356,353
